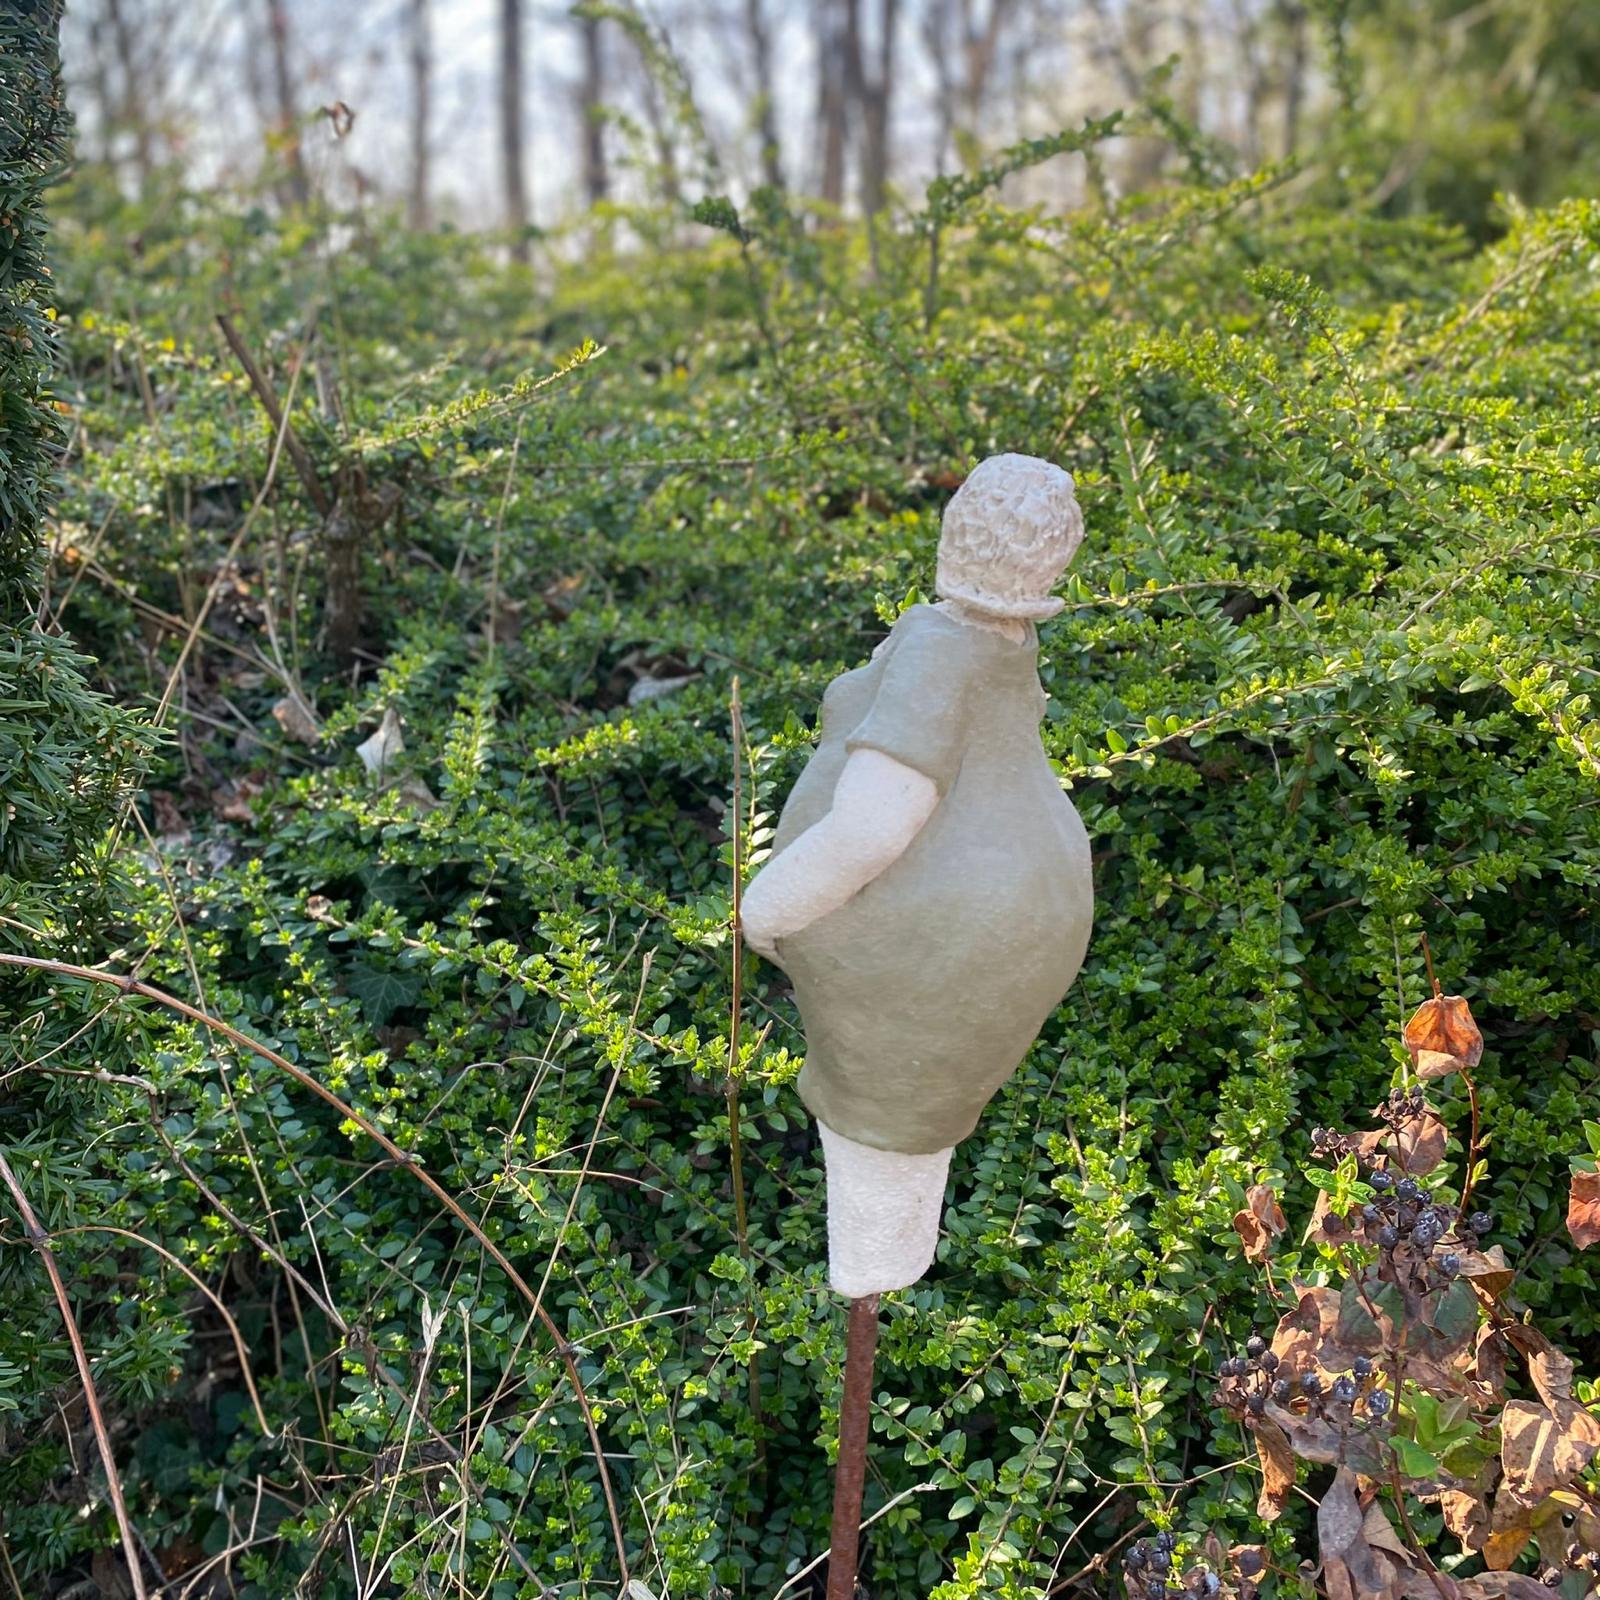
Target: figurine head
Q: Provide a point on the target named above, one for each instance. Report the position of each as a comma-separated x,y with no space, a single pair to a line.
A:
1009,532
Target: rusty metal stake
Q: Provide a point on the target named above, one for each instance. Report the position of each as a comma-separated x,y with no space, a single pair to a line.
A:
855,1417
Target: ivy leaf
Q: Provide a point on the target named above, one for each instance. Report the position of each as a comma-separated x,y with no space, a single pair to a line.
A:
381,991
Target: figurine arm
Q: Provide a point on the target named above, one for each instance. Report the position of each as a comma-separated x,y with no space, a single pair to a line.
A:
879,806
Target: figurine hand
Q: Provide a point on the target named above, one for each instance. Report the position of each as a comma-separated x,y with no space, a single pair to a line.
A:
879,805
754,924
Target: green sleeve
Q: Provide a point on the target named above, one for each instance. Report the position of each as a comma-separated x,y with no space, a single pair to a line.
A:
920,711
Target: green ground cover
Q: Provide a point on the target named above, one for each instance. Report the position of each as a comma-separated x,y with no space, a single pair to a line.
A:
1320,689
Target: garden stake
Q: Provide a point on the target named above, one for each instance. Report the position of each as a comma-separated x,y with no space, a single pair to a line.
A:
855,1416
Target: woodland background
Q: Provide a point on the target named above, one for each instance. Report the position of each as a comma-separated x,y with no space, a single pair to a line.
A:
447,450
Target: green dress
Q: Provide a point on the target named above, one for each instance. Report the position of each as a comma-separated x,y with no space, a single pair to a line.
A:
921,995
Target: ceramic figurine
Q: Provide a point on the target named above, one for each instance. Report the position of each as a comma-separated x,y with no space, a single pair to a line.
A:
929,890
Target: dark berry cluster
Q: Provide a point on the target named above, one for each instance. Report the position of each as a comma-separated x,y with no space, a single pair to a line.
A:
1402,1107
1408,1226
1329,1145
1147,1569
1250,1380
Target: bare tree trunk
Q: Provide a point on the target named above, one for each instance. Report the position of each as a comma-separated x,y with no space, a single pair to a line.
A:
100,88
1127,47
1294,74
979,47
513,171
133,106
873,97
596,177
1247,42
298,189
936,41
760,31
833,102
420,44
656,114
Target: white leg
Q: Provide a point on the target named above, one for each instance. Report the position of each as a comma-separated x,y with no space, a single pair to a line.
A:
883,1214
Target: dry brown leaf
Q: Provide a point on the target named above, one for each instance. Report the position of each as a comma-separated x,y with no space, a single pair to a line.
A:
1550,1368
1583,1209
1379,1532
1435,1064
1487,1270
1443,1027
1466,1516
1545,1448
1417,1146
1337,1581
380,751
1502,1586
1260,1222
1489,1361
1301,1334
1277,1468
231,801
294,716
1586,1526
416,794
1419,1142
1510,1529
1465,1505
1342,1541
1314,1438
1339,1516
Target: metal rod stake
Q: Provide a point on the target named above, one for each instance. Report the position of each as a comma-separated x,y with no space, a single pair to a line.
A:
855,1417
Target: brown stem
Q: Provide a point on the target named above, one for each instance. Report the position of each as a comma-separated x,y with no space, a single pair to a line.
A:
268,397
1473,1149
1427,955
741,1214
855,1417
41,1242
402,1159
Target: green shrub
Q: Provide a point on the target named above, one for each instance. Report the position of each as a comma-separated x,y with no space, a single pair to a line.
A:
1319,689
64,752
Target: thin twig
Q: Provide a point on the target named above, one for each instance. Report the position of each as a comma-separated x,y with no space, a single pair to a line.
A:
855,1429
268,397
741,1214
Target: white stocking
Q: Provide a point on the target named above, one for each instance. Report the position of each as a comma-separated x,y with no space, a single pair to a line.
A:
884,1210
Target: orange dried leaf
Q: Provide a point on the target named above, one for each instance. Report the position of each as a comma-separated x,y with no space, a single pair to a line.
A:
1583,1209
1444,1027
1419,1143
1487,1271
1277,1468
1260,1223
1435,1064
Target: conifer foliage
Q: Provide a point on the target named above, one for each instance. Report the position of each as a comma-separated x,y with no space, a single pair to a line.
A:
63,750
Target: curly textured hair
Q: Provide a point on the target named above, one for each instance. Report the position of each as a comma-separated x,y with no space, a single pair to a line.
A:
1008,534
